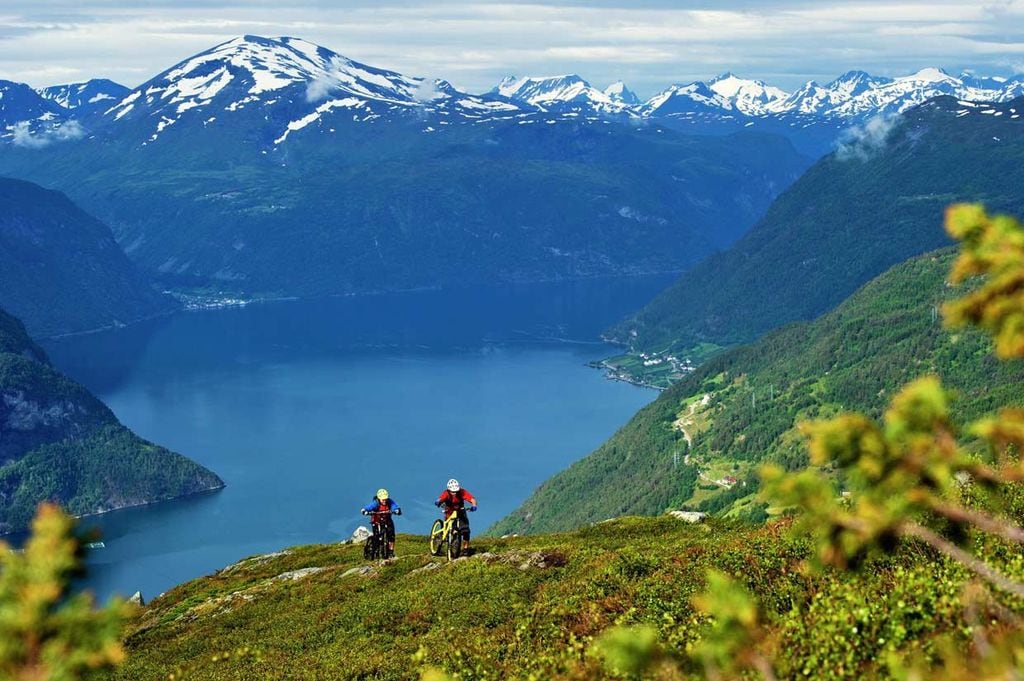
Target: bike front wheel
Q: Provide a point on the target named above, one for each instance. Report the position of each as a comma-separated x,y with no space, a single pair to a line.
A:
455,544
436,538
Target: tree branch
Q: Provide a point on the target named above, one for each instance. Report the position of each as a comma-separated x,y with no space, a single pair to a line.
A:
969,561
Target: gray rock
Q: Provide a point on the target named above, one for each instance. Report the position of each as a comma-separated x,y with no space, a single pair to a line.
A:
361,534
296,575
137,599
357,571
254,561
688,516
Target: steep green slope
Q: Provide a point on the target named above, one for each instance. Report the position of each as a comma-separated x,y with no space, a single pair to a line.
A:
529,607
386,205
59,443
740,407
857,212
61,270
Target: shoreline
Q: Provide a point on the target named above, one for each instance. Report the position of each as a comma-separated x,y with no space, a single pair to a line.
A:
24,533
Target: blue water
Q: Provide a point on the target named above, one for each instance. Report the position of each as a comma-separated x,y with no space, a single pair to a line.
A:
305,408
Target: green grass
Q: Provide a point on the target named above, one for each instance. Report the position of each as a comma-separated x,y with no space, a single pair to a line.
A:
509,617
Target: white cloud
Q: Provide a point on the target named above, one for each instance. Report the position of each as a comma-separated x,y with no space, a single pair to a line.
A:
861,142
427,91
474,42
23,136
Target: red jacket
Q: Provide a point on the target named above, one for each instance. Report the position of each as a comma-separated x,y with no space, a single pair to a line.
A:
456,502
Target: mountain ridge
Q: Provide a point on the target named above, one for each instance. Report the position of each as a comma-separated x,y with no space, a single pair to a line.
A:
61,271
882,193
726,102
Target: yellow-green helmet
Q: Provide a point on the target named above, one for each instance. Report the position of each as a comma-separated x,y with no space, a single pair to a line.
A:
382,494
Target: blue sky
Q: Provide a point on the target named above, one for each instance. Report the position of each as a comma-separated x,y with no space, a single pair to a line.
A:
473,43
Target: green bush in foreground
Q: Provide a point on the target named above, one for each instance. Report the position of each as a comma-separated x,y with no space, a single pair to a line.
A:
44,634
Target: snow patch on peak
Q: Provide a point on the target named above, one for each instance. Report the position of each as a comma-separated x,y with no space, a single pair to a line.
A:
930,74
568,91
618,92
751,97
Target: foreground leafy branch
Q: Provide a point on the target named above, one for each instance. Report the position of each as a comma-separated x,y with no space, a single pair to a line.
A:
910,478
46,635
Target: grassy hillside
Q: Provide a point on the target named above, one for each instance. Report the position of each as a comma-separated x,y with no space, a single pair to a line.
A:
740,408
850,217
61,270
59,443
529,607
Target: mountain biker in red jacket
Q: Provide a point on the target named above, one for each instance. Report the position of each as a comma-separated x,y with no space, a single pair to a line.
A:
454,500
380,511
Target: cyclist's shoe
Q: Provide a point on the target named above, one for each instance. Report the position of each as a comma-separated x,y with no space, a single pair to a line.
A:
391,554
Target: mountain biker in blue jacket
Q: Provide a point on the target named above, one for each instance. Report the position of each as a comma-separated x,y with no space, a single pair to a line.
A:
381,510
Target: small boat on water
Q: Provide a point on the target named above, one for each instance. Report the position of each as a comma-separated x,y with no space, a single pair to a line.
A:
95,545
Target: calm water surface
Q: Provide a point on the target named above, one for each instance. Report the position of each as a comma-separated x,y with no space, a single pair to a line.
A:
305,408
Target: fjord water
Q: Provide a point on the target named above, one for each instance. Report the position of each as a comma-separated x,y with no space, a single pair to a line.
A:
305,408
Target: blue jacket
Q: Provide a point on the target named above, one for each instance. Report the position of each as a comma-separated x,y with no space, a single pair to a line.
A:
375,506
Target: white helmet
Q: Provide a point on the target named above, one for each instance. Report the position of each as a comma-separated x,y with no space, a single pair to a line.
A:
453,486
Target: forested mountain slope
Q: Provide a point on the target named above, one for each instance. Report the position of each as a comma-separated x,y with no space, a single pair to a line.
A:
872,204
273,166
740,408
61,270
59,443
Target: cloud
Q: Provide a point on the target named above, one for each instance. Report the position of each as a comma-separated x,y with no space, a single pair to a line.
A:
23,136
861,142
427,91
319,88
473,43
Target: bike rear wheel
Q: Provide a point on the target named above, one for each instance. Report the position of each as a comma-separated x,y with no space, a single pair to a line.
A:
436,538
370,548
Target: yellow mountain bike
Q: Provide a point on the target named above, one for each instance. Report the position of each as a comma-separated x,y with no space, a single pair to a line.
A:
446,536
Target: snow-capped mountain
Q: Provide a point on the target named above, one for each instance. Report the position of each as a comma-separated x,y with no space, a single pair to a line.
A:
853,96
686,100
618,92
19,103
750,97
288,85
93,96
560,94
271,90
28,120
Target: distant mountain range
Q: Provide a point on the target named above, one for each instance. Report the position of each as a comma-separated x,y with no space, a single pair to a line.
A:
258,73
277,167
273,166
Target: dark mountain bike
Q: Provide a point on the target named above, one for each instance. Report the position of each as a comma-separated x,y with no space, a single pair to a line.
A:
376,546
